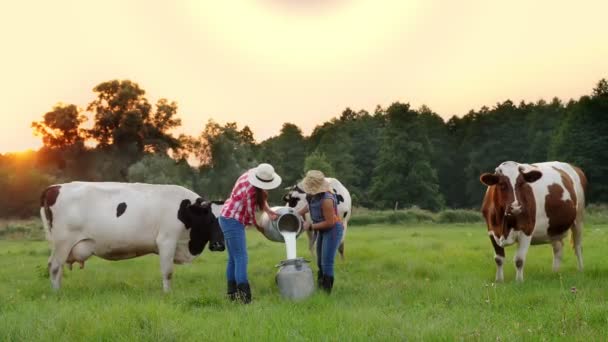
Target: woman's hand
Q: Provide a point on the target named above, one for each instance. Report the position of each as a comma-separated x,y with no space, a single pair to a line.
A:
306,225
272,214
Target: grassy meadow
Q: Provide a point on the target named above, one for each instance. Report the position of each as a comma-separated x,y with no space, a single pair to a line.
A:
406,281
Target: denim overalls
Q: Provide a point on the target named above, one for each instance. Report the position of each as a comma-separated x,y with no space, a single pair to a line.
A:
328,240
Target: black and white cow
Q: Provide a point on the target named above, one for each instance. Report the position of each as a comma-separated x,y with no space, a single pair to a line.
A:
296,198
117,221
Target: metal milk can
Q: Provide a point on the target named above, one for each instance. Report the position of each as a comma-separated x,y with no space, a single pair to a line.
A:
295,279
288,221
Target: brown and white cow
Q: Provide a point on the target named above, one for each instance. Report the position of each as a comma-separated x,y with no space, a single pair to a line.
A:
534,204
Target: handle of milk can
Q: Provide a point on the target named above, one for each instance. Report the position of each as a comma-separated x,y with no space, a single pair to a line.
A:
302,220
301,260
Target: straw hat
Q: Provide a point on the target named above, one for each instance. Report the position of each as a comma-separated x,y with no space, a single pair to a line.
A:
264,177
315,183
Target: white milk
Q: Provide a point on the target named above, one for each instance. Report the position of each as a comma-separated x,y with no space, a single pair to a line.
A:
290,244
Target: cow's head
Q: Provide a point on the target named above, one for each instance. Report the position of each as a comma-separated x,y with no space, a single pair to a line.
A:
295,197
203,225
509,194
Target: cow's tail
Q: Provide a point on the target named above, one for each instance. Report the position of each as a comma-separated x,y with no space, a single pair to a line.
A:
43,215
576,234
45,223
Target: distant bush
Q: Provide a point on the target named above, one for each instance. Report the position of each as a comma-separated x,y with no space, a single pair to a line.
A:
161,169
22,230
459,216
364,217
595,214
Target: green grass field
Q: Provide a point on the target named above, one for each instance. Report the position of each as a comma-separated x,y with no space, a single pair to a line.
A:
402,282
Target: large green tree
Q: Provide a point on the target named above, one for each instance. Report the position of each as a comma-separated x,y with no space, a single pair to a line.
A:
582,139
60,128
286,152
161,169
124,118
63,141
404,173
225,152
542,123
318,161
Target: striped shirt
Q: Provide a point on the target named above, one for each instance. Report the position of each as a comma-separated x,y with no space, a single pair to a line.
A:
241,204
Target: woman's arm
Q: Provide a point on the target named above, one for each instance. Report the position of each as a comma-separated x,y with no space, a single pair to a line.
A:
328,213
303,211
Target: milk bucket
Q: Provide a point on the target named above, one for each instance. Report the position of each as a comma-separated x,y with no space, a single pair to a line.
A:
295,279
288,221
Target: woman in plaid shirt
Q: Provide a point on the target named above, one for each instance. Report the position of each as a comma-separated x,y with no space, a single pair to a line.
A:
249,192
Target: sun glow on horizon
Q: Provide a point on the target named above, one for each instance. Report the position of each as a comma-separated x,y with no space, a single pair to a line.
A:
316,39
261,63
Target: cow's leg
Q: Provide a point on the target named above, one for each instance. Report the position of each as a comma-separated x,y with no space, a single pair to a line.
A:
341,250
341,247
520,257
61,250
557,254
577,241
499,259
166,252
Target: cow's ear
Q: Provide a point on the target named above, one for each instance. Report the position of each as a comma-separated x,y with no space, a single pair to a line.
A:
489,179
183,214
532,176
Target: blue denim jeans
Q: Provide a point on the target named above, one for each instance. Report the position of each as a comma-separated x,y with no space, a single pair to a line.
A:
328,242
234,235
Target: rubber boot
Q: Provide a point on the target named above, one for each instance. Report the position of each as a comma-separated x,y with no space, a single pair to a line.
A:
231,292
243,293
328,284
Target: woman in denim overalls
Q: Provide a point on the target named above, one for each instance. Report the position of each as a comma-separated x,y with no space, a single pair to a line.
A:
322,205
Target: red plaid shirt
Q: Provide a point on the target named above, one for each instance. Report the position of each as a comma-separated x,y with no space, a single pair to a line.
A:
241,204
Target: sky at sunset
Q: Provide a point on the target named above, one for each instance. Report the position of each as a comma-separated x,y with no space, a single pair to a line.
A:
265,62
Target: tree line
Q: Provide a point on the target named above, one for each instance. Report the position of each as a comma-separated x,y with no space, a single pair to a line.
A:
394,156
